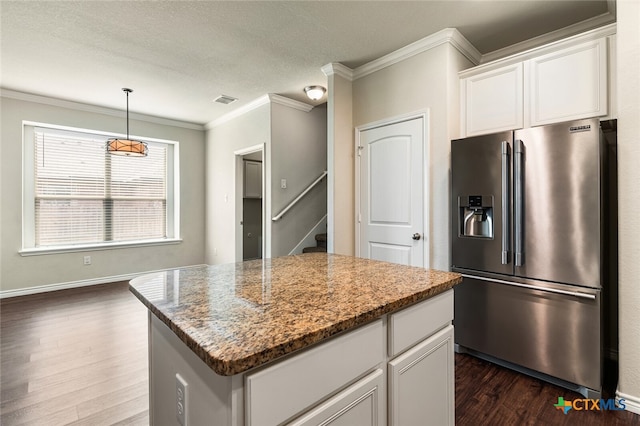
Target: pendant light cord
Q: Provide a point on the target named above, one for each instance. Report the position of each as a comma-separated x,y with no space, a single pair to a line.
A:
127,92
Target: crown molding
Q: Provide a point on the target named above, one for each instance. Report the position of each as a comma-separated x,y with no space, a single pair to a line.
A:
257,103
520,56
464,46
448,35
78,106
336,68
288,102
599,26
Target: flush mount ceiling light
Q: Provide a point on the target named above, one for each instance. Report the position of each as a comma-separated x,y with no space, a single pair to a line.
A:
128,147
314,92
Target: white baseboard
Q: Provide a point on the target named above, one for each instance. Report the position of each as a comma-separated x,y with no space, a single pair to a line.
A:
80,283
632,403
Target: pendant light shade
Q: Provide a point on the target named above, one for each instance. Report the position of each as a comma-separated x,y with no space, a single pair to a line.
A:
128,147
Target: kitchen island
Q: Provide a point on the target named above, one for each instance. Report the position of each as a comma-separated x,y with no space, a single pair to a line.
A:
300,339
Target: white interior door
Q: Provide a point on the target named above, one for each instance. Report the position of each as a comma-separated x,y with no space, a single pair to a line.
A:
391,217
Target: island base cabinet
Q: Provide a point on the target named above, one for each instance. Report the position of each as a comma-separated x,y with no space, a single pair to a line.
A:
421,383
210,399
353,379
360,404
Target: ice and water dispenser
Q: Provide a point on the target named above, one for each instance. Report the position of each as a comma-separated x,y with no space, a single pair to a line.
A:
475,217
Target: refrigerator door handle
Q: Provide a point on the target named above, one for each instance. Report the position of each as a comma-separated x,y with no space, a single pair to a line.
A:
505,202
518,202
535,287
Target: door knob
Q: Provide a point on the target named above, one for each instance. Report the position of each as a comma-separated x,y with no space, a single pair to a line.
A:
416,236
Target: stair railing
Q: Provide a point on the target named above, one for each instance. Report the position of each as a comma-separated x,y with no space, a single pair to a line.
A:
299,197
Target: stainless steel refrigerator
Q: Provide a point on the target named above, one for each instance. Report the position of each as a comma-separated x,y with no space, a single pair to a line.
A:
532,234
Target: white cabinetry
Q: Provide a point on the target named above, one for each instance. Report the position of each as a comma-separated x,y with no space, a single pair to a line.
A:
492,100
360,404
397,369
565,80
280,391
569,84
421,383
252,179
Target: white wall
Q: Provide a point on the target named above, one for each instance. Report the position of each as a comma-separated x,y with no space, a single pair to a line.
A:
628,75
249,129
426,81
299,155
18,273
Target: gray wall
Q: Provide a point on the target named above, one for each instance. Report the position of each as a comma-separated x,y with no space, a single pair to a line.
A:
295,149
252,128
299,155
19,272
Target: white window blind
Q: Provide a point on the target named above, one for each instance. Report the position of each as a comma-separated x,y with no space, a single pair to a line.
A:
84,196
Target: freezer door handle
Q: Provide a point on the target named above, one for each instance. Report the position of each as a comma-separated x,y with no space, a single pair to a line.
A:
518,202
505,202
535,287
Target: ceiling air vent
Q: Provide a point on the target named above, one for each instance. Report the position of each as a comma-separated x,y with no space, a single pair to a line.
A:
224,99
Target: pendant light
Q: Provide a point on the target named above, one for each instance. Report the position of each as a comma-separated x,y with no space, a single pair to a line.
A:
128,147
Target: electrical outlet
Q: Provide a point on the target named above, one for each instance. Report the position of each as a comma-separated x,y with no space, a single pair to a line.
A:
283,183
181,400
87,260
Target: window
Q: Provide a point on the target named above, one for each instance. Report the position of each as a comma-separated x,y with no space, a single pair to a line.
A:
77,196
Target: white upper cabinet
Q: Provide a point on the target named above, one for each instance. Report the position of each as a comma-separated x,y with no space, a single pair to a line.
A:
568,84
565,80
492,101
252,179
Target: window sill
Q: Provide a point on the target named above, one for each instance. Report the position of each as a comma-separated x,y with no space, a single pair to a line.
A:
93,247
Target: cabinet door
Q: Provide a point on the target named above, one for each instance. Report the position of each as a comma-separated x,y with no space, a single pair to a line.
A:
252,179
360,404
568,84
421,383
492,101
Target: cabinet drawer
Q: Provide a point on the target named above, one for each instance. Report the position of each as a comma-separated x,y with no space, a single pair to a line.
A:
411,325
285,389
359,404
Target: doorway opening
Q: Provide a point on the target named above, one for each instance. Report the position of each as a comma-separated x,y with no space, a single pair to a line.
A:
250,206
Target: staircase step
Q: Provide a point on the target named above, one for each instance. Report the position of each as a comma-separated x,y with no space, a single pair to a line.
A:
321,240
314,250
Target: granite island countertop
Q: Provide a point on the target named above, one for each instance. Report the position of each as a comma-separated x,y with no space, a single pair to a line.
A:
242,315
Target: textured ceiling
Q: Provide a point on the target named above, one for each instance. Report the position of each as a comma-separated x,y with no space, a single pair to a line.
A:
180,55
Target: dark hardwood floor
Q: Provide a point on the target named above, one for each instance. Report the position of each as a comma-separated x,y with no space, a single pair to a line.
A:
80,357
487,394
